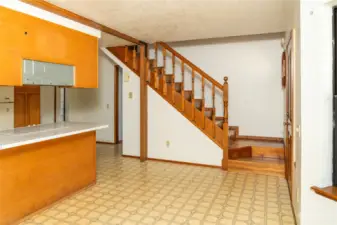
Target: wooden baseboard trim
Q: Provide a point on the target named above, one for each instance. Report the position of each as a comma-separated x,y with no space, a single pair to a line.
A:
105,142
131,156
175,162
260,138
327,192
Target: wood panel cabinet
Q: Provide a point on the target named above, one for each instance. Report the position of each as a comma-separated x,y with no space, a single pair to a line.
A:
27,37
20,110
26,106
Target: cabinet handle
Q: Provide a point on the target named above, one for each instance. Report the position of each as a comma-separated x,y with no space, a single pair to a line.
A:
26,32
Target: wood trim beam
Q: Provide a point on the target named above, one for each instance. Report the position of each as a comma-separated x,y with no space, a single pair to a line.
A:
106,142
75,17
143,106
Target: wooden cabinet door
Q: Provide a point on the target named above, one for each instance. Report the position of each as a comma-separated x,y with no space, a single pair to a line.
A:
87,63
12,37
33,109
27,37
20,110
26,106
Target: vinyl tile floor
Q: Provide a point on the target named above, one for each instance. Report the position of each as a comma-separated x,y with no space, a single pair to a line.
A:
129,192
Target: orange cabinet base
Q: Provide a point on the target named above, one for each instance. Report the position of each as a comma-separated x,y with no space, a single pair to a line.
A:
34,176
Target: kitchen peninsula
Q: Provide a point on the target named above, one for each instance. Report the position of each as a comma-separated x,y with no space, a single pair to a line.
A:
42,164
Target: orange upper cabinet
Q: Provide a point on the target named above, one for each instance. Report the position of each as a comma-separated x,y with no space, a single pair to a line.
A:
27,37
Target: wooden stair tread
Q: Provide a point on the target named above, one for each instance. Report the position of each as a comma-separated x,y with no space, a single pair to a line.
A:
262,160
243,143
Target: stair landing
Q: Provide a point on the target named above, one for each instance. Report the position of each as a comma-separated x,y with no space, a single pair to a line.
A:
266,157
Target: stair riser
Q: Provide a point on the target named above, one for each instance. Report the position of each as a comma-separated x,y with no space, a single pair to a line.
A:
238,153
268,152
257,167
209,127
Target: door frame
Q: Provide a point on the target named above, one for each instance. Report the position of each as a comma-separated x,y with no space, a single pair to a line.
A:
290,163
334,158
116,103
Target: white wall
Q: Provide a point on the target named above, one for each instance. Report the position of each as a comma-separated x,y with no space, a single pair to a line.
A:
47,104
45,15
186,142
253,66
6,109
316,112
95,105
131,108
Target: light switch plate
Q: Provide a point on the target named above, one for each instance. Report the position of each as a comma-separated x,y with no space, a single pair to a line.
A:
130,95
126,77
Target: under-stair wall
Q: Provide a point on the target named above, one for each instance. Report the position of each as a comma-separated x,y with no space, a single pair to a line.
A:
171,135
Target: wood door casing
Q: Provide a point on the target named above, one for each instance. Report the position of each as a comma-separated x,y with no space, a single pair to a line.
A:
116,102
290,165
26,106
33,108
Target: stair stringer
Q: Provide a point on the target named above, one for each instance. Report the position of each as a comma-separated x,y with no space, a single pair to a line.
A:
187,143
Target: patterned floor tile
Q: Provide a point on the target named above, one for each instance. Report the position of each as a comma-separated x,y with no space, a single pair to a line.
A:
130,192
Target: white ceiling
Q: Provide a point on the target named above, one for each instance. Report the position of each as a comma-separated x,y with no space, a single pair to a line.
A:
179,20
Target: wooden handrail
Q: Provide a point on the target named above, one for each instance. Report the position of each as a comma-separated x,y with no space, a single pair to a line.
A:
190,64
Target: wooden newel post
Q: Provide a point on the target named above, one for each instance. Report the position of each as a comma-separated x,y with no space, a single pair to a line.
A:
225,125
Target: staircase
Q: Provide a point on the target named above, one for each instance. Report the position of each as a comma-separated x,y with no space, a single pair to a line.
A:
198,97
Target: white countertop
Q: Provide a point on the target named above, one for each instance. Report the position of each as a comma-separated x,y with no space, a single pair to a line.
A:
33,134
